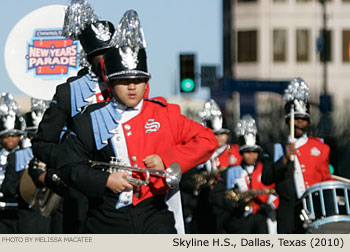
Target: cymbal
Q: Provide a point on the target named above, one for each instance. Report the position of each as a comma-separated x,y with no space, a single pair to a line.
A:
27,187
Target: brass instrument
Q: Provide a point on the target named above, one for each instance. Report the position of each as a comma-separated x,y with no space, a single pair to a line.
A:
204,177
39,197
172,174
235,195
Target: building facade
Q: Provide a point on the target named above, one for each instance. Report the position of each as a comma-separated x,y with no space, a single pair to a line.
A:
280,40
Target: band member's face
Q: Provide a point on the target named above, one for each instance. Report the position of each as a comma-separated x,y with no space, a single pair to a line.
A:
300,126
222,139
10,142
129,91
96,64
250,157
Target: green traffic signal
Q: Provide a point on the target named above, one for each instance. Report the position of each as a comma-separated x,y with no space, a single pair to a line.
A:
187,85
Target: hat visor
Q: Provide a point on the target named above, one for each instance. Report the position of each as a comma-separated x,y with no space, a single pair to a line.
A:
101,50
221,131
129,74
298,115
250,148
13,132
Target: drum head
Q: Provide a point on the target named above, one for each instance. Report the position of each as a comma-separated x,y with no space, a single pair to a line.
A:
27,187
332,225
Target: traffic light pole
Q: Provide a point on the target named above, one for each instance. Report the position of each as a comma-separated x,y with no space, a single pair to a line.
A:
325,126
325,46
228,36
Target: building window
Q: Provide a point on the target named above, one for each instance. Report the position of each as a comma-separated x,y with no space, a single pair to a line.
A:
247,46
279,45
346,46
303,45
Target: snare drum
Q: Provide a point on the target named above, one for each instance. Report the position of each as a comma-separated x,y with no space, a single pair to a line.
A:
327,207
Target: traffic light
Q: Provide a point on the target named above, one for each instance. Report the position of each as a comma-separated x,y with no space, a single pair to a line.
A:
187,73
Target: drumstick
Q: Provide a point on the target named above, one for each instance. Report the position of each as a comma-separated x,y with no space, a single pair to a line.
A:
292,128
341,178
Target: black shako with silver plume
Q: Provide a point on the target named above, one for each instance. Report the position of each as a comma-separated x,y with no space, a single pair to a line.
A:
212,118
11,121
81,23
247,134
127,58
297,94
34,117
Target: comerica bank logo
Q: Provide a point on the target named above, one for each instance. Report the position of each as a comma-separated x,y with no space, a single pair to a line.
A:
50,53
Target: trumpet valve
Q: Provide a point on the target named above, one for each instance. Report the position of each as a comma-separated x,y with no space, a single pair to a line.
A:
147,177
115,160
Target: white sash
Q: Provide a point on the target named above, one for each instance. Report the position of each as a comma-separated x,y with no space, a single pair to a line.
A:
174,205
298,174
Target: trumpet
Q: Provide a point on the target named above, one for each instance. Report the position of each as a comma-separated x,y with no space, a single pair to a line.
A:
172,174
236,195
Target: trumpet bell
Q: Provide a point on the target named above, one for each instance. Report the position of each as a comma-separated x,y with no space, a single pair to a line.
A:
173,175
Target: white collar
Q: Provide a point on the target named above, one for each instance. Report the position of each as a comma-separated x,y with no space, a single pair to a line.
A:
122,107
250,168
301,141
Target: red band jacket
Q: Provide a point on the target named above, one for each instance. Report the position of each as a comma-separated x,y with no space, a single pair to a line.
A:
249,182
313,159
229,157
158,129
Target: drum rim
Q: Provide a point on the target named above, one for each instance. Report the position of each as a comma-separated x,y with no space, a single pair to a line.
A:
327,185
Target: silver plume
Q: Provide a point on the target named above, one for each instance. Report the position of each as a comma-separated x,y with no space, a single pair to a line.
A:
129,32
78,15
246,125
297,90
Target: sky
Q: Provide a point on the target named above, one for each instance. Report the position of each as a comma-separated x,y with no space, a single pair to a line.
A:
171,27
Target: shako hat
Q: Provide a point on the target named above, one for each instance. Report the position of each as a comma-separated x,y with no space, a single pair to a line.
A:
81,23
127,58
34,117
11,121
212,118
247,134
297,95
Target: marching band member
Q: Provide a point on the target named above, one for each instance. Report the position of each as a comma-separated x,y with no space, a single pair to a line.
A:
80,23
247,211
296,165
12,125
207,174
139,132
226,154
30,220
